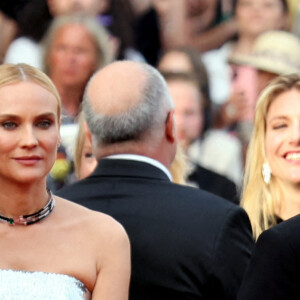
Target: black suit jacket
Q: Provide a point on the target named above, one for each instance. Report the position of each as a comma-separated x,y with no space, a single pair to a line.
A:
214,183
274,270
186,243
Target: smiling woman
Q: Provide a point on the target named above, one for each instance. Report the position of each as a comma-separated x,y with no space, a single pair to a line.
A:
271,189
87,262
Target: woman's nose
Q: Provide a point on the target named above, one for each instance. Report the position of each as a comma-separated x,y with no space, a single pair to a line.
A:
295,133
28,137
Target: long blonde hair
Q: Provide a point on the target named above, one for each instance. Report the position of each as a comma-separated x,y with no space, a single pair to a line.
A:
80,139
179,167
260,200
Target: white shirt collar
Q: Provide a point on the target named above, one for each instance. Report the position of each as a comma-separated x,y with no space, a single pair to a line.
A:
142,158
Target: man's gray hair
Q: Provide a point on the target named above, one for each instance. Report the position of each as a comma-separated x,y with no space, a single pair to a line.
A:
148,114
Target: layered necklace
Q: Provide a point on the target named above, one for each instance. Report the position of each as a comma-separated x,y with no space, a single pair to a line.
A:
32,218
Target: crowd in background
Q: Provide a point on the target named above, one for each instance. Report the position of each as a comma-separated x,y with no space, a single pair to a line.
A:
220,59
212,37
217,56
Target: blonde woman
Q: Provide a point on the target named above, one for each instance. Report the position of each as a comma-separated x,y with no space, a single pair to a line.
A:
50,247
271,190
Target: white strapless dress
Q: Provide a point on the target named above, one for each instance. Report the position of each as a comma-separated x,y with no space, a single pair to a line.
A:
16,285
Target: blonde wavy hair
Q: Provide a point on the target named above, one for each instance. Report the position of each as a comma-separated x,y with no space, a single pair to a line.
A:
261,201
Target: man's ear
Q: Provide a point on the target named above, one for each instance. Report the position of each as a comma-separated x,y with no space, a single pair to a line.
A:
87,131
171,127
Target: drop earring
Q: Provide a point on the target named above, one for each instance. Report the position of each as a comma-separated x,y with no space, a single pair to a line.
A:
266,173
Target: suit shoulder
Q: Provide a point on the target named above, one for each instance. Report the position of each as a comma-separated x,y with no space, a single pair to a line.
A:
203,197
217,211
286,233
70,189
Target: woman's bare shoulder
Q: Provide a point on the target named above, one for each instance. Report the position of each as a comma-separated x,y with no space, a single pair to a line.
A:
91,220
94,235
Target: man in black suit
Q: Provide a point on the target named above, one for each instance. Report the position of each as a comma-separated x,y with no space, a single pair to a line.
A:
274,269
186,243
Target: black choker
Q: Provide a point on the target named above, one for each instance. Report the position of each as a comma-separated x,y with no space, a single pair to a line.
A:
32,218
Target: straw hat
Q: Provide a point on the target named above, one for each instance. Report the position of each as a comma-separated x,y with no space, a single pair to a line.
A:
273,51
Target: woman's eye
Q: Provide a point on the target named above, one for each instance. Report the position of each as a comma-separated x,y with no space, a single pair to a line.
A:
44,124
88,155
9,125
279,126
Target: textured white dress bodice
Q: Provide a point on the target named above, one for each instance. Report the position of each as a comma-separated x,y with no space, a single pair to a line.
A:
16,285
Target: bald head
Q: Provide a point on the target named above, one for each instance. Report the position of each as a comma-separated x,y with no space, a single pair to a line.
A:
125,101
117,88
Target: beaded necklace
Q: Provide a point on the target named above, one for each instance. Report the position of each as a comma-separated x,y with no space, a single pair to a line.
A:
32,218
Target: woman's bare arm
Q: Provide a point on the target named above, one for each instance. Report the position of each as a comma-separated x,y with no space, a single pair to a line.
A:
114,265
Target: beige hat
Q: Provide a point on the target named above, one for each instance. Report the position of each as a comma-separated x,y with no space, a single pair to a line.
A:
273,51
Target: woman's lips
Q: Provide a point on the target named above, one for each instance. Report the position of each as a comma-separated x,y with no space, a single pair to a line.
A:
28,160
